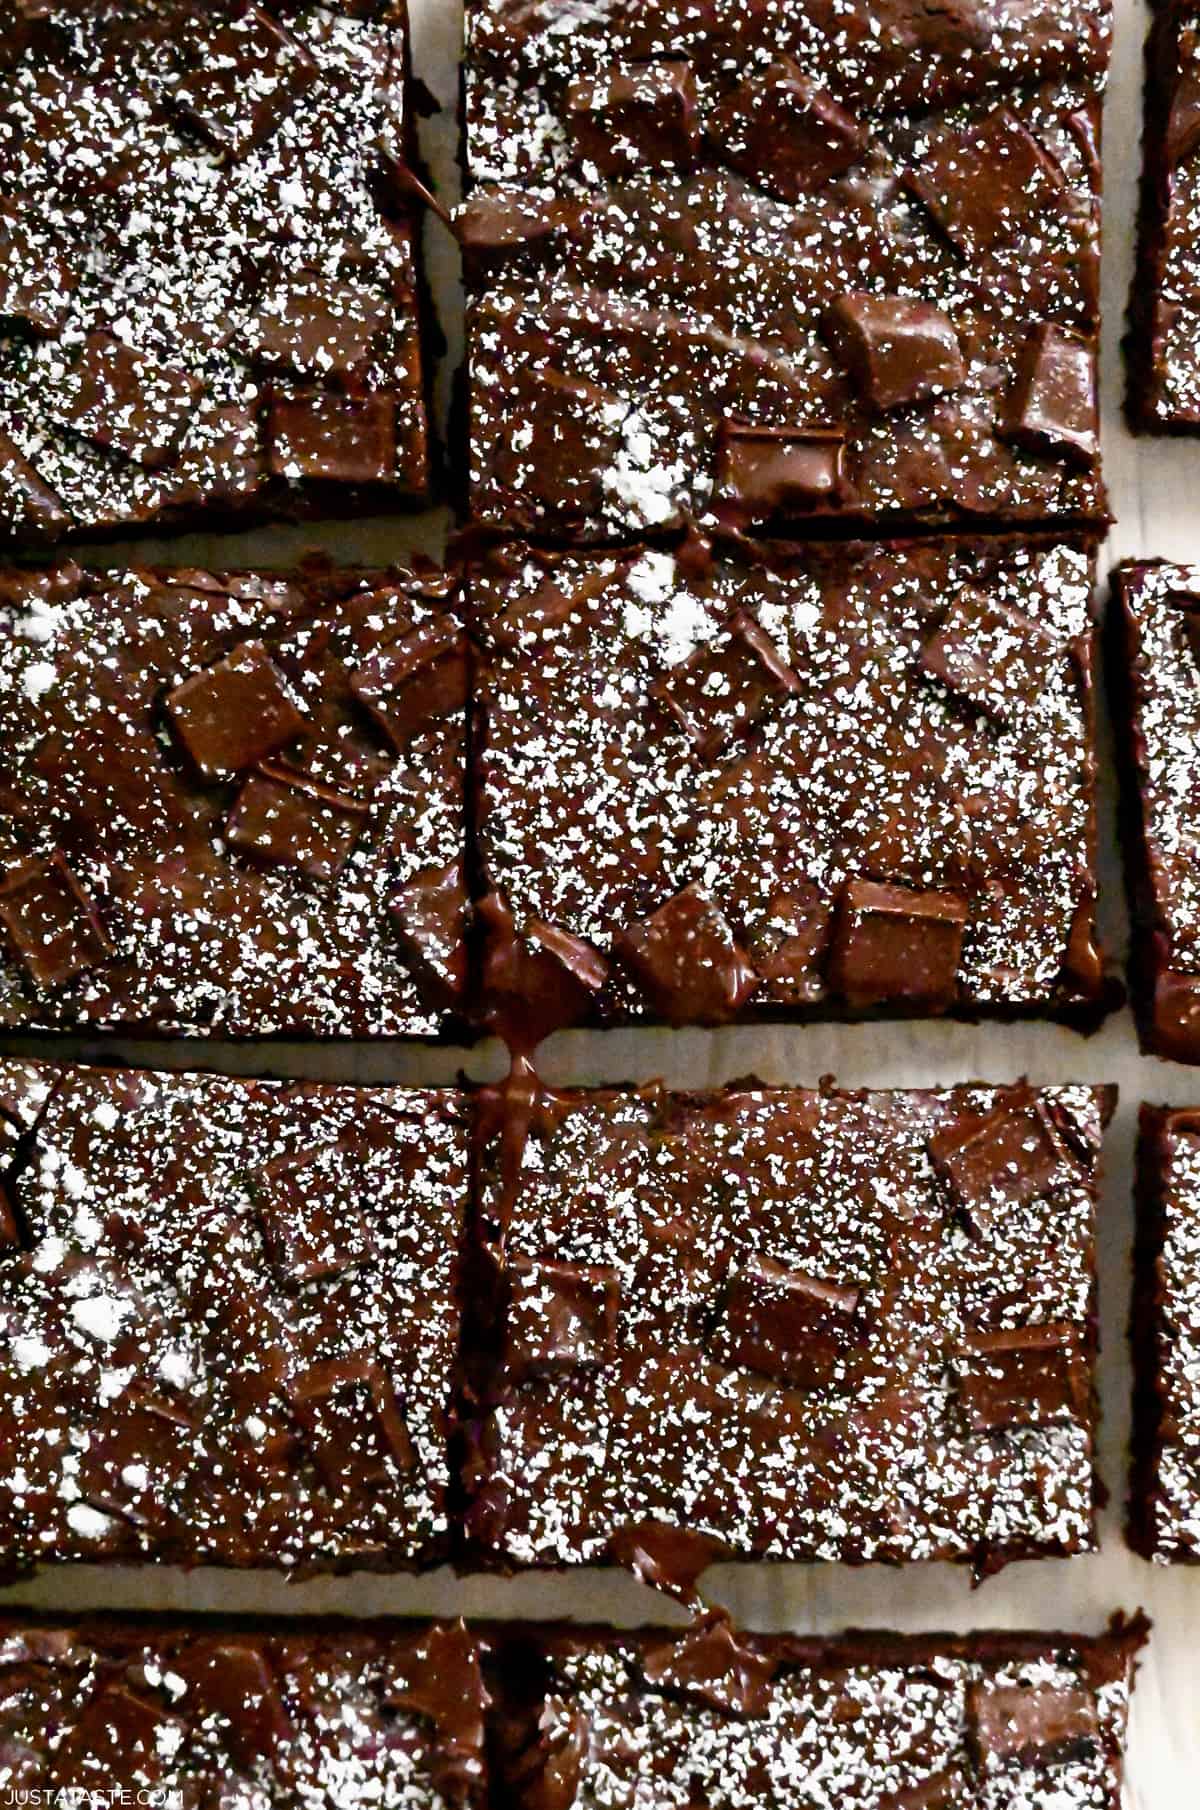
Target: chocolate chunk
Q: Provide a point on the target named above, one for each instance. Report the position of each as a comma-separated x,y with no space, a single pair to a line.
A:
785,132
492,226
688,960
990,656
119,1733
430,917
281,818
28,503
305,1240
353,1425
1003,1159
711,1665
234,713
785,1324
894,946
54,928
410,683
36,283
1031,1377
983,182
312,327
231,1680
124,399
531,617
1052,407
247,74
721,691
137,1461
322,435
632,119
897,351
768,471
1031,1723
561,1317
580,960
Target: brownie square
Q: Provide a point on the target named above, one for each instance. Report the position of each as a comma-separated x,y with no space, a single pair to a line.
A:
781,264
766,1323
220,1712
1155,675
805,780
210,299
230,1320
866,1722
1164,1503
1163,362
232,803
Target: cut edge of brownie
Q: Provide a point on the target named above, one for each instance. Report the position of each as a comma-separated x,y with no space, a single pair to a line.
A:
1148,1336
1147,965
1142,343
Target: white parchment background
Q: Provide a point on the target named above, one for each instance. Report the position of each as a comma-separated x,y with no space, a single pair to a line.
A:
1155,487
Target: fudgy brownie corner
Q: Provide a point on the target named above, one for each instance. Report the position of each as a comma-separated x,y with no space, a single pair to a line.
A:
220,1709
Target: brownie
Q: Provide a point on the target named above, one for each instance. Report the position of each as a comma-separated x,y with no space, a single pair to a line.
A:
232,803
1164,1504
820,780
1163,343
210,299
866,1722
1154,669
766,1323
221,1713
782,262
543,1717
230,1319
